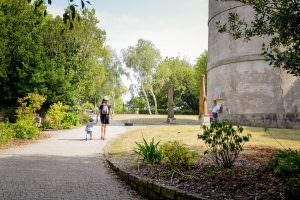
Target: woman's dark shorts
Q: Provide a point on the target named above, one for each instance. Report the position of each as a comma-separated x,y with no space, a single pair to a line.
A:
104,119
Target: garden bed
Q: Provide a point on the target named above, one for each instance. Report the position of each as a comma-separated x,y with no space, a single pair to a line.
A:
250,177
247,180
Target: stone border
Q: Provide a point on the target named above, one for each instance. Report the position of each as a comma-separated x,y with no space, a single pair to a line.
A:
151,190
147,188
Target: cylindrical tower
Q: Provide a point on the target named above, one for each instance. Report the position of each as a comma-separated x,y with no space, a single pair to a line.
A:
253,92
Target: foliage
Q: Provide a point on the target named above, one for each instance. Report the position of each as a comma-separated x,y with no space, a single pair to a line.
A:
56,115
201,69
143,59
6,132
181,75
88,106
149,152
29,105
70,119
46,57
278,19
286,163
83,117
224,142
25,129
178,155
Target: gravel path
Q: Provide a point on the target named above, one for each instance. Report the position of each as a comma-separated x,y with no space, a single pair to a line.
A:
62,167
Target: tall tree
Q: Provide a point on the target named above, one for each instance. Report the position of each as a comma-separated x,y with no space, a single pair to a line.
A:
143,59
43,55
278,19
181,75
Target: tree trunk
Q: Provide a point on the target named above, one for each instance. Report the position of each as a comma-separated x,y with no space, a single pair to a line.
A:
154,98
170,103
147,101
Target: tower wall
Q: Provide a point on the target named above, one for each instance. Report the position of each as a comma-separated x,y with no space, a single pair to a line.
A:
253,92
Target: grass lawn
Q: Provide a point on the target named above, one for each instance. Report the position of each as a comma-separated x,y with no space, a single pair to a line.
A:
187,134
157,119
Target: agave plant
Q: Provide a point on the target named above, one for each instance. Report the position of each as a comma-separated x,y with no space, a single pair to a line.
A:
149,152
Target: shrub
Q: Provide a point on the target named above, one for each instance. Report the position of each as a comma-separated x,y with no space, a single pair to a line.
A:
84,118
56,114
71,119
6,132
286,163
178,155
29,105
149,152
88,106
25,129
224,142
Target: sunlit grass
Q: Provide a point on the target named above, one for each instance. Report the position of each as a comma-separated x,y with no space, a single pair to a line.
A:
187,134
144,119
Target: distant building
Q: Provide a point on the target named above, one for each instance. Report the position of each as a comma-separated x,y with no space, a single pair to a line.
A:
253,93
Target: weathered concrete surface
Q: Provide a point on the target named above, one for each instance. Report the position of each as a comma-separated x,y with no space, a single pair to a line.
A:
62,167
254,93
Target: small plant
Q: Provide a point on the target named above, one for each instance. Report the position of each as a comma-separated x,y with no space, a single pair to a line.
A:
6,132
71,119
286,163
56,114
224,142
29,105
88,106
149,152
25,129
83,117
178,155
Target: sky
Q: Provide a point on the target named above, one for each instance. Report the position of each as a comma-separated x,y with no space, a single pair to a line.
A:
176,27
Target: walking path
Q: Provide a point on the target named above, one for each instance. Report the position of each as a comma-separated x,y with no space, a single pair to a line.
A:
62,167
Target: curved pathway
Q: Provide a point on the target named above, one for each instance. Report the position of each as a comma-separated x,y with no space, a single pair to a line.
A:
62,167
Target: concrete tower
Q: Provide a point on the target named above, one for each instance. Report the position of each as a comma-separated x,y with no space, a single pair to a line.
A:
253,93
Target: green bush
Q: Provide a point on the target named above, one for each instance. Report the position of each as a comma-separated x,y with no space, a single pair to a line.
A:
25,129
72,119
224,142
6,132
178,155
56,115
88,106
286,163
149,152
84,118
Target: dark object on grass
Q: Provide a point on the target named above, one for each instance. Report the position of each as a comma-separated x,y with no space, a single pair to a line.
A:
128,123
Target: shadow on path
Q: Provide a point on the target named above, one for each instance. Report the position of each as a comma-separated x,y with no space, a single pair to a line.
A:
59,177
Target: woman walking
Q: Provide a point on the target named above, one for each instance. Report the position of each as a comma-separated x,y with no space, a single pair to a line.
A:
105,114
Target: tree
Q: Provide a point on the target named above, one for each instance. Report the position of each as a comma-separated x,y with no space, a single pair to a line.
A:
143,59
42,54
179,74
278,19
201,69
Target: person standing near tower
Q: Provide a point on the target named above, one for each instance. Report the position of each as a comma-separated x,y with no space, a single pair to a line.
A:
105,115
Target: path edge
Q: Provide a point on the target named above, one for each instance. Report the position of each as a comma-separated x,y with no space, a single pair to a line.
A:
146,187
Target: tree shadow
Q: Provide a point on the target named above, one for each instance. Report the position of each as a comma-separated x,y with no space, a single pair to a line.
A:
59,177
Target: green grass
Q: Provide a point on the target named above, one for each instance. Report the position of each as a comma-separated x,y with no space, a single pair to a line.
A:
123,146
157,119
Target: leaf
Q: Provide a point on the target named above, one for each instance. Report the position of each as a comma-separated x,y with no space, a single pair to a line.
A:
82,4
89,2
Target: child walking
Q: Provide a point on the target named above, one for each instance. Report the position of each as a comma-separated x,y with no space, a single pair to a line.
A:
89,129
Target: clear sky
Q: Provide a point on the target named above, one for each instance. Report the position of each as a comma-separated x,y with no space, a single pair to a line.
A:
176,27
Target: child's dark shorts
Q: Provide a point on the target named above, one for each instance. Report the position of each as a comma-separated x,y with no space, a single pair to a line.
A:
104,119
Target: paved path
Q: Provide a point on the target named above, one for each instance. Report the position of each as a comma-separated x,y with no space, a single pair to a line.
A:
62,167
